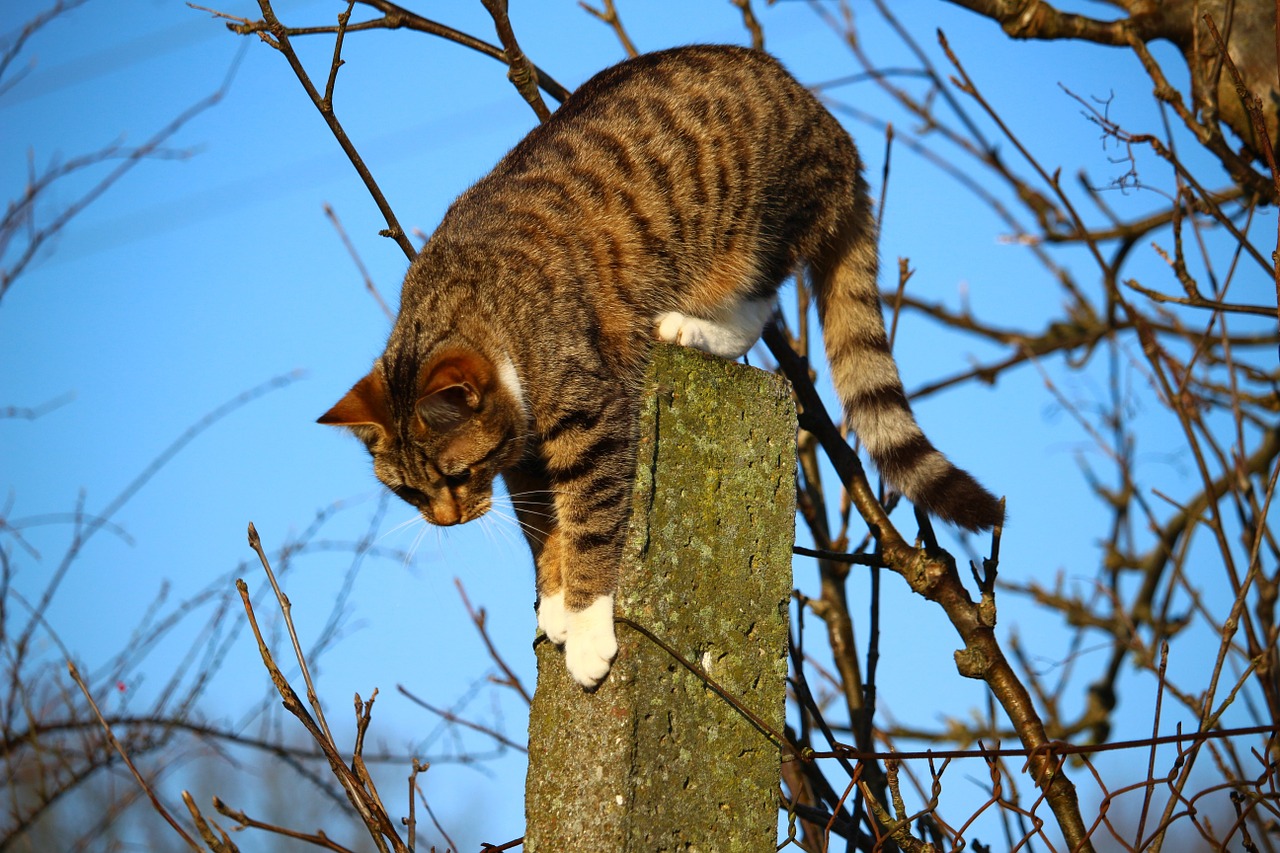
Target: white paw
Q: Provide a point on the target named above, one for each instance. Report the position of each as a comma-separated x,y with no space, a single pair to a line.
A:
553,619
677,328
734,330
591,645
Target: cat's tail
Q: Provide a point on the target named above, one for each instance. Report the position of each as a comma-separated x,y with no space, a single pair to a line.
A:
867,382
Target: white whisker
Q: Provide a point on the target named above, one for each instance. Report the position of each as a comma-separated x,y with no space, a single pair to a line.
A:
417,516
529,492
527,528
413,548
499,522
523,501
505,516
525,508
486,527
537,513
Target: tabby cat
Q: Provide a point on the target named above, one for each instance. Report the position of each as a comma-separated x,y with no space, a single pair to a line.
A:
668,197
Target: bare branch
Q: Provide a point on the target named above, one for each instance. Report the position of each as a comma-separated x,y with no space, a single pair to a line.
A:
522,73
609,15
115,744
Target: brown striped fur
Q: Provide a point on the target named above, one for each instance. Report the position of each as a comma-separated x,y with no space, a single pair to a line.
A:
691,181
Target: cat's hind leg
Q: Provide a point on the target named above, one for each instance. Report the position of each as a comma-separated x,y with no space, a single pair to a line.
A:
729,334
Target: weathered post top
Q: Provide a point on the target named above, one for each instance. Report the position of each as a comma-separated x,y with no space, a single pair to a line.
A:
655,759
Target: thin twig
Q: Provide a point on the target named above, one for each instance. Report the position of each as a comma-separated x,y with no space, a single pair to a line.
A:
220,843
286,608
478,619
32,413
1254,106
355,256
422,796
451,717
277,36
521,72
115,744
750,21
369,808
609,15
318,839
779,739
151,148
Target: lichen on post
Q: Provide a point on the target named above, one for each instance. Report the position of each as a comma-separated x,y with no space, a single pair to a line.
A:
657,758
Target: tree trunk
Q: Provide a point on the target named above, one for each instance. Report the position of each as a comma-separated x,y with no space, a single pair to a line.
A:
657,759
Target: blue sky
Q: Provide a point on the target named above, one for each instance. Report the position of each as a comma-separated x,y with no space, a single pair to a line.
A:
201,276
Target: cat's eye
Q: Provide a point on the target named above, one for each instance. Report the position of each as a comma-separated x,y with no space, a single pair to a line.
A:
412,496
458,479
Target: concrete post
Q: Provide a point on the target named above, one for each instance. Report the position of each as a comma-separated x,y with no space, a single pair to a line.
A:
655,759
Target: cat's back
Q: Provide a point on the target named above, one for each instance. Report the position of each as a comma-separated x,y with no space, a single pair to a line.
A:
664,166
677,92
706,105
684,91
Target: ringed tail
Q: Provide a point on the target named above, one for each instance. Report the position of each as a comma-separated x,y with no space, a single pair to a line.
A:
867,381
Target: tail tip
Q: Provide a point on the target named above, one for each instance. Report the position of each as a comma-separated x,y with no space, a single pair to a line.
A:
961,500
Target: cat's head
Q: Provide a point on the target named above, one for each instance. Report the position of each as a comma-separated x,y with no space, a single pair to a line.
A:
439,441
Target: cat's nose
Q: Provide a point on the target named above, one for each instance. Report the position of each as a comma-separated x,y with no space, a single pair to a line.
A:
444,512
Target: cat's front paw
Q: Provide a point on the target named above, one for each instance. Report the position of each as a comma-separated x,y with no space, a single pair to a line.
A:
677,328
553,619
729,337
591,645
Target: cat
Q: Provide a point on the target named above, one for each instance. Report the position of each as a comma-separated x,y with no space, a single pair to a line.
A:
668,198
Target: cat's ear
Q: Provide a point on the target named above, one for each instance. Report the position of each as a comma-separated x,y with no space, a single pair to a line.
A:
444,409
452,389
363,409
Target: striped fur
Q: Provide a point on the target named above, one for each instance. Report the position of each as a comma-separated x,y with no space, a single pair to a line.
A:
669,196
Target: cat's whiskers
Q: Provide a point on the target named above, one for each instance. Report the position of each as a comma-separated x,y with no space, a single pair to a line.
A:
534,510
505,508
527,503
417,516
496,520
417,539
417,519
523,506
486,527
525,492
512,518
